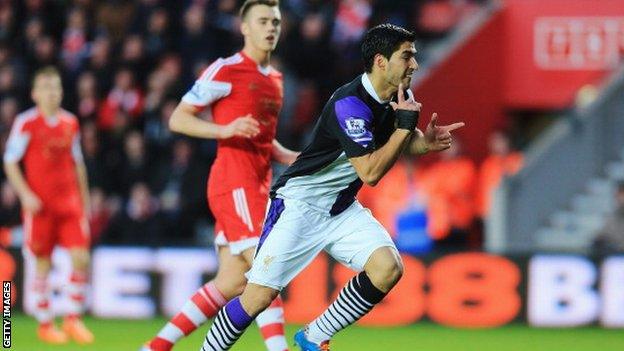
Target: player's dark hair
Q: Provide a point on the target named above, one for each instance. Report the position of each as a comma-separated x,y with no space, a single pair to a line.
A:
251,3
46,71
383,39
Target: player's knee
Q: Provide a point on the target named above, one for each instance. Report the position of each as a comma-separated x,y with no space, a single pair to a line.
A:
80,259
238,287
385,269
391,272
230,287
395,272
257,298
43,266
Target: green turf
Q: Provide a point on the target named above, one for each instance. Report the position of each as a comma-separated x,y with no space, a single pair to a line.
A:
114,335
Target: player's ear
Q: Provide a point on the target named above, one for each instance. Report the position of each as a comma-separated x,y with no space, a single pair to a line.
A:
380,61
244,27
33,93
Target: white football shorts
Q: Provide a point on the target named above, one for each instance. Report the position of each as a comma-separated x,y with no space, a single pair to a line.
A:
294,233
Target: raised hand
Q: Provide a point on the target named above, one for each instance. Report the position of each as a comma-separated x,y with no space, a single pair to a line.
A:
402,104
439,138
245,127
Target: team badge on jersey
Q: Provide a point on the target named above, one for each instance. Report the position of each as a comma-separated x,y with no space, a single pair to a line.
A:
355,127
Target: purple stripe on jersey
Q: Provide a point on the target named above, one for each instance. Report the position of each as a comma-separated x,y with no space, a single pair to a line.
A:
355,118
237,315
346,197
275,210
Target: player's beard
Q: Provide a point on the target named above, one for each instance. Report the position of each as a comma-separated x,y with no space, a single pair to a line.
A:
403,77
399,79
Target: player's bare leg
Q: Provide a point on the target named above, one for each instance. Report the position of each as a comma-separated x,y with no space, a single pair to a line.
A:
76,289
381,273
384,268
230,279
256,298
206,302
271,319
47,331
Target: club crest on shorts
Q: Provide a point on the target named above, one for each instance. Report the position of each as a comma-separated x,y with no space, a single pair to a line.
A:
266,262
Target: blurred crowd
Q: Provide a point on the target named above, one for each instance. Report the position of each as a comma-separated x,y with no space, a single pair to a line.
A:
125,65
446,201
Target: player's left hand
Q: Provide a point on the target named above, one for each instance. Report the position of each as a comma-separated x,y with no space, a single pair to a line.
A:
439,138
245,127
410,104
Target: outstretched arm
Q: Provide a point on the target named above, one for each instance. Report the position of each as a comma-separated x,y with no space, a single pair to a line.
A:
435,138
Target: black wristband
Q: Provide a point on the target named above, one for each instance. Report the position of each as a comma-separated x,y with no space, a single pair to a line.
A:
407,119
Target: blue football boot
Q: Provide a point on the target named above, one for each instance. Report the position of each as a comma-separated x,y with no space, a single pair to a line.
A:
306,345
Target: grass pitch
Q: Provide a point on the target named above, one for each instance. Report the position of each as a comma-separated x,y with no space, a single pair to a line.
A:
118,335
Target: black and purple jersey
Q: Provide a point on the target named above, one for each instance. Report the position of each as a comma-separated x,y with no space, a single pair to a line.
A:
354,122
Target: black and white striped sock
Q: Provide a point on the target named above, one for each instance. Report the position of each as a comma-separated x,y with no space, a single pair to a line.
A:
355,300
228,326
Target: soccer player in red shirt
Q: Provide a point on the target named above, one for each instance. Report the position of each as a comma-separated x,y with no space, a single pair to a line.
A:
245,96
54,195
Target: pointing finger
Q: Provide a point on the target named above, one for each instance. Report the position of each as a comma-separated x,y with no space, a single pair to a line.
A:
400,97
454,126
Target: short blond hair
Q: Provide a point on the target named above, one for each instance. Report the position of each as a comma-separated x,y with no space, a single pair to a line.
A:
251,3
49,71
